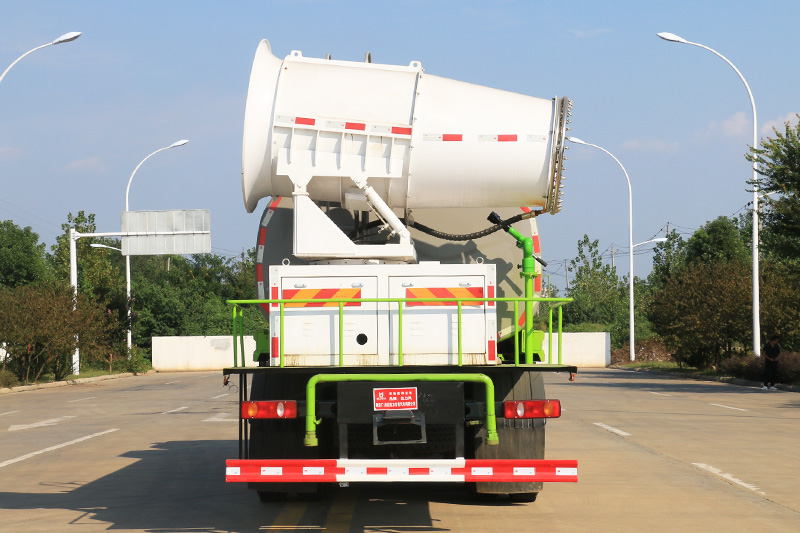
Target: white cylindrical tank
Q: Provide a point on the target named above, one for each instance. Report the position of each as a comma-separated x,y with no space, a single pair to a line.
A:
319,126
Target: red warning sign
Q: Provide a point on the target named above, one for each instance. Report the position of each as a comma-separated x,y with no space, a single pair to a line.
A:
399,398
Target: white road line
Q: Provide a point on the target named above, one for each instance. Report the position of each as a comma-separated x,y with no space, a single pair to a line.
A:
728,407
56,447
9,413
221,417
82,399
219,396
171,382
729,477
43,423
174,410
659,393
612,429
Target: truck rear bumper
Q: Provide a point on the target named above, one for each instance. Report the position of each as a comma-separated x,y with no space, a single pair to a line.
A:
394,470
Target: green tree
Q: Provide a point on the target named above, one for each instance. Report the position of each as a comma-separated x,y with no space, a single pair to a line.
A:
669,258
42,326
778,159
22,257
717,241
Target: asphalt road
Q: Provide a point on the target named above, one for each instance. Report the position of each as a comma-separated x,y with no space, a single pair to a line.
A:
148,453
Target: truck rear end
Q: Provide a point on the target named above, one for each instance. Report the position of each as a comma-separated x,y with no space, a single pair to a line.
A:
394,351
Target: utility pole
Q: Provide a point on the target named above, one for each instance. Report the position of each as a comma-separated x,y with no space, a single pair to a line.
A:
612,256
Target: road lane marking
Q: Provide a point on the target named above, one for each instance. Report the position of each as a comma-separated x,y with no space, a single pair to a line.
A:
659,393
174,410
221,417
43,423
171,382
728,477
728,407
219,396
9,413
82,399
612,429
56,447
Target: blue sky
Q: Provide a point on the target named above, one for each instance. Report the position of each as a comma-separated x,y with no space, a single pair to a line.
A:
76,119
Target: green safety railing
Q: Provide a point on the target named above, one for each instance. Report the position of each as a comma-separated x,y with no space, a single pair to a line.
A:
238,315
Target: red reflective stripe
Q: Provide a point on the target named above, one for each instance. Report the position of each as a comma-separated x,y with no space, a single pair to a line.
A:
537,284
490,291
306,121
378,471
273,295
526,209
355,126
419,471
262,236
522,319
259,272
507,138
275,347
492,351
401,131
537,249
451,137
274,205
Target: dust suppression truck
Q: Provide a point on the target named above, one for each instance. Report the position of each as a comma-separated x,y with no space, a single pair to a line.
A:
399,271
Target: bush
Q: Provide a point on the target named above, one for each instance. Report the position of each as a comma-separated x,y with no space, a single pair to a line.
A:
752,368
8,379
140,361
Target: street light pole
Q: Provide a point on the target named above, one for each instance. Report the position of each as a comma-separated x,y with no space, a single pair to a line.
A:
630,237
756,289
67,37
128,257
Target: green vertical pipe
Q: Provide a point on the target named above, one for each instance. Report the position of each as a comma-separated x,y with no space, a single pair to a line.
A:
281,333
516,333
460,362
311,396
400,333
528,317
235,357
241,335
559,334
341,333
550,338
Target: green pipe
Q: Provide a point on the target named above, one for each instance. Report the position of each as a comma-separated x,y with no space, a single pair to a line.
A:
550,338
400,333
280,342
559,333
516,333
341,333
241,336
235,357
460,361
311,396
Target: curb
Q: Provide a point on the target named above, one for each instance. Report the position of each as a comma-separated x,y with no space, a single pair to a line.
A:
721,379
79,381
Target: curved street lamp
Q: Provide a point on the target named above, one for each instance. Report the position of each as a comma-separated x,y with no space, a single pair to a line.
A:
630,235
128,257
67,37
756,300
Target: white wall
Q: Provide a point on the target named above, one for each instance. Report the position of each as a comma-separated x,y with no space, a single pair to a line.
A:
199,353
585,350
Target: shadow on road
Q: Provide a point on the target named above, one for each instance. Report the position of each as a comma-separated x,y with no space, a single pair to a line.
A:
180,486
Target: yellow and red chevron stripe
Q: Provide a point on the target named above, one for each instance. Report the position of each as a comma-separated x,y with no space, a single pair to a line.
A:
444,292
323,295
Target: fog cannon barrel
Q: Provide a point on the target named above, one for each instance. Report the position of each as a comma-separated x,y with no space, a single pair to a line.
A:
315,126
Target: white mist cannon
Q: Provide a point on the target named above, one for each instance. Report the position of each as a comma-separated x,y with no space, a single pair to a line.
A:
390,137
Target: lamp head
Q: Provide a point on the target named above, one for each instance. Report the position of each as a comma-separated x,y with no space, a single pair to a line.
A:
67,37
576,140
671,37
178,143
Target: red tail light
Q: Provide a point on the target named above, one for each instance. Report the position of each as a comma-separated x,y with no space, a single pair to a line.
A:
532,409
271,409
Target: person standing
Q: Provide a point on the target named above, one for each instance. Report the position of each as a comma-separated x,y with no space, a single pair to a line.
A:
771,353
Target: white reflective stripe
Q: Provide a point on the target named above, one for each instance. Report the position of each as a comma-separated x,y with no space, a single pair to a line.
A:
313,470
566,471
397,471
431,137
380,129
537,138
284,119
334,124
271,470
482,471
355,471
524,471
233,471
439,471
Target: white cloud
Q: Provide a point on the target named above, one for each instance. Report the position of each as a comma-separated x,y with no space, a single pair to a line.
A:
587,34
738,124
650,145
778,123
9,152
90,164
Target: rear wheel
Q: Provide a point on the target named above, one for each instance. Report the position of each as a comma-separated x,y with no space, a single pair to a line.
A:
524,497
267,497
